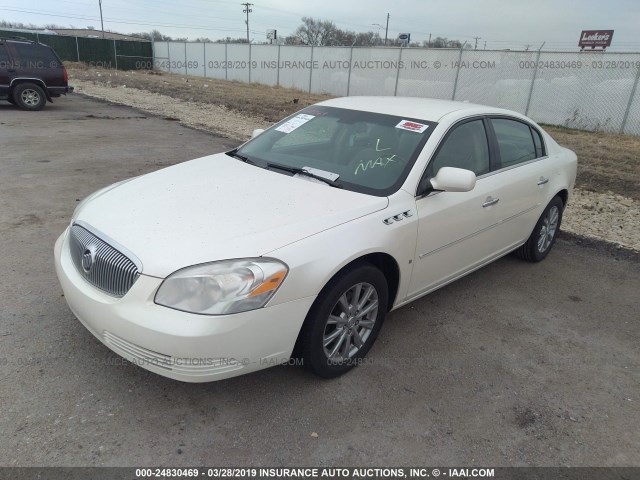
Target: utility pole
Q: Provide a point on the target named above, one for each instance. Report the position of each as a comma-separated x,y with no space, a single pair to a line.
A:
386,31
101,22
429,40
247,10
476,39
485,44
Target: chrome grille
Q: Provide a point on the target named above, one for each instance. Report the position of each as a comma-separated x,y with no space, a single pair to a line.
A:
101,264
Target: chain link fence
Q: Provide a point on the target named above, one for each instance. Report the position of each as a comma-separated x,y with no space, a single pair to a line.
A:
583,90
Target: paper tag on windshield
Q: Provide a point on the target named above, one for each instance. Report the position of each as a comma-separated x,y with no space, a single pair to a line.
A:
295,122
412,126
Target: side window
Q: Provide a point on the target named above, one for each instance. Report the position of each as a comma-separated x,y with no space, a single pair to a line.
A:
34,56
465,147
514,141
4,57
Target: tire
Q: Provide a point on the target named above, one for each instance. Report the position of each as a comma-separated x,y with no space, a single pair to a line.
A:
544,234
328,342
11,100
29,96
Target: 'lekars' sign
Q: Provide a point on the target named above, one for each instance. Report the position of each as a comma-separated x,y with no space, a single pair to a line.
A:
595,38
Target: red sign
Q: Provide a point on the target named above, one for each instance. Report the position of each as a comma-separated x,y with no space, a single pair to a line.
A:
595,38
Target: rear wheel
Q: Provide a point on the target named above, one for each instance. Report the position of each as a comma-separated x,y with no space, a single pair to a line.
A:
544,234
344,321
29,96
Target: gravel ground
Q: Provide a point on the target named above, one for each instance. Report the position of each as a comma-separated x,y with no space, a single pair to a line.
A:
603,216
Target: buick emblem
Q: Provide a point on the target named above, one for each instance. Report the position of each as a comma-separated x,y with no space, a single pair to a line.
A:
88,258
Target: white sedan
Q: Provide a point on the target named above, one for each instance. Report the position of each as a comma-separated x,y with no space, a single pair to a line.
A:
299,242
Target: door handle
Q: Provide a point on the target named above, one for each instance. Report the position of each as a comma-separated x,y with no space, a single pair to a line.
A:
490,201
543,180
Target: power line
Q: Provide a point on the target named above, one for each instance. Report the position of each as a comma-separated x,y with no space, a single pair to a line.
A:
124,22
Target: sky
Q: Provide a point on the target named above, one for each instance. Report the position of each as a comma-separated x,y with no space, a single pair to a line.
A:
501,24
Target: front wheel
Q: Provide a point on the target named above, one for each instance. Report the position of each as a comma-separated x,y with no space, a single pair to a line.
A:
544,234
344,321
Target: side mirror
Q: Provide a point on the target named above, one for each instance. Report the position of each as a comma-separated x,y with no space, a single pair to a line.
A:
257,132
450,179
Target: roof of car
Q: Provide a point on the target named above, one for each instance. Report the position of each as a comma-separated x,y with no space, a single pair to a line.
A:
430,109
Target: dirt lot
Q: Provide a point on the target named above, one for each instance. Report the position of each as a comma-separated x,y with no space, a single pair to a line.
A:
516,364
607,162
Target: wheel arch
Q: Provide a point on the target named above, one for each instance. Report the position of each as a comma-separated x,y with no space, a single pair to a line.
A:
37,81
383,262
564,196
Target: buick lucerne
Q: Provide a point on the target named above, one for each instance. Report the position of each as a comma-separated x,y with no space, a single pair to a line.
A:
298,243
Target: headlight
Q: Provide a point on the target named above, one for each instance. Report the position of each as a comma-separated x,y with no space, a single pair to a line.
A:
225,287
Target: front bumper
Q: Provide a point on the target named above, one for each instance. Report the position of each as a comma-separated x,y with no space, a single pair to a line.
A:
179,345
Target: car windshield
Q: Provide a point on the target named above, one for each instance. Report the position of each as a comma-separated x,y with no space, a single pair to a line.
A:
371,152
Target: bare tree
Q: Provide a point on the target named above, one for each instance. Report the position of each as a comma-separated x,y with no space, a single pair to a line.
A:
316,32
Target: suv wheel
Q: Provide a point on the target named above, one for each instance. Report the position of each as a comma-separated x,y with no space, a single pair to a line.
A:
29,96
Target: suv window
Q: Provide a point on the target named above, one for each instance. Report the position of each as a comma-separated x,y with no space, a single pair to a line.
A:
515,141
465,147
35,56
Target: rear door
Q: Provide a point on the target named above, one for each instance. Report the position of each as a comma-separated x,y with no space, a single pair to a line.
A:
523,171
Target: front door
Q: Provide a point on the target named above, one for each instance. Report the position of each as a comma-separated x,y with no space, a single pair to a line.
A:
456,230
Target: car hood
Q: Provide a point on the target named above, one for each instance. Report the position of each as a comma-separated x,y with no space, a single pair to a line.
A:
215,208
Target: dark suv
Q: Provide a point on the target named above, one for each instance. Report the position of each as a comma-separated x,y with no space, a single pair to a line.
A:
30,74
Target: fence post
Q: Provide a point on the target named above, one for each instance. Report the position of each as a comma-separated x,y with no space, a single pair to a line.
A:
249,63
278,69
311,69
226,66
533,81
115,53
395,91
169,56
349,75
628,109
204,59
77,49
455,83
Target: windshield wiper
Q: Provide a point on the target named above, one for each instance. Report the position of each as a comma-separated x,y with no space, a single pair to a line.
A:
329,178
234,153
